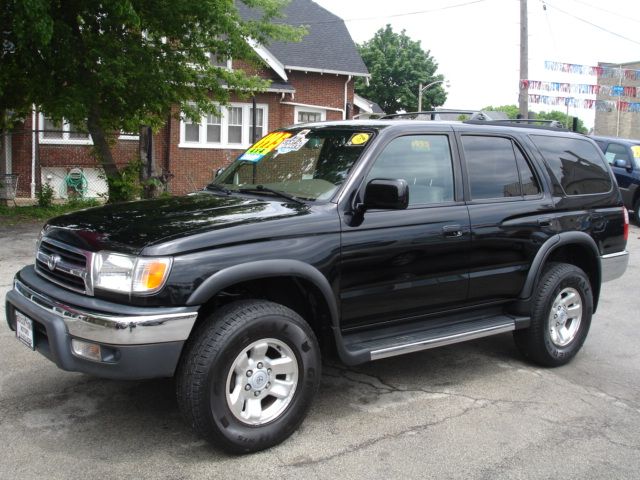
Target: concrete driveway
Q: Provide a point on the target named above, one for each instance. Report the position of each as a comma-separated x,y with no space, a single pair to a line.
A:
475,410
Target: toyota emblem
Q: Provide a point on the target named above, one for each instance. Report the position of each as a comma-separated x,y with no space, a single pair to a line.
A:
52,261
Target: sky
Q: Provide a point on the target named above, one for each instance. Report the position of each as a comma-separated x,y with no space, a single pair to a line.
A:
476,43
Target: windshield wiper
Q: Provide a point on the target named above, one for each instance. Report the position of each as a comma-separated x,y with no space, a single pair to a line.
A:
262,188
218,188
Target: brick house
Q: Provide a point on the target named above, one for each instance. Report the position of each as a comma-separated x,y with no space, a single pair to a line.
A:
310,81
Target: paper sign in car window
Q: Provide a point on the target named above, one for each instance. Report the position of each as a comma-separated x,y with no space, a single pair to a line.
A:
358,139
263,146
295,143
420,145
636,151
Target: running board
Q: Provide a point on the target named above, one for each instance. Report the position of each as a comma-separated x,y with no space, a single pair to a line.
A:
397,343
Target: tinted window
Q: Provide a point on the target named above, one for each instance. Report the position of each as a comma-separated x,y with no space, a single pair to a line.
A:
424,162
527,177
491,164
575,163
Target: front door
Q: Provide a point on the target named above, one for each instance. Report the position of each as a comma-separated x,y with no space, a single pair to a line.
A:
403,264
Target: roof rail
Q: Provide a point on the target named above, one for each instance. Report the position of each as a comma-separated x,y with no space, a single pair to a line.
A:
432,115
522,122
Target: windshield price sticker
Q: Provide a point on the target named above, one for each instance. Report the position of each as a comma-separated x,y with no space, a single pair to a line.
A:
265,145
294,144
636,151
358,139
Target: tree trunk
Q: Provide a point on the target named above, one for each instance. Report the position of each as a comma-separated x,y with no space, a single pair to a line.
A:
100,143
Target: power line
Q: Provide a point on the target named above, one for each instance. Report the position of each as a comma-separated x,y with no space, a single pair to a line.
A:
592,24
396,15
607,11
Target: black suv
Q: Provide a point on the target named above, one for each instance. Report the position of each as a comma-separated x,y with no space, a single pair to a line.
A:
624,157
369,238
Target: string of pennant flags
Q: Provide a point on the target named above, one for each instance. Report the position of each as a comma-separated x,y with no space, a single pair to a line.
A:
581,88
603,72
586,103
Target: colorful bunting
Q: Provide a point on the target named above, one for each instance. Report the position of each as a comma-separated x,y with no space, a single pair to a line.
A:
604,72
581,88
587,103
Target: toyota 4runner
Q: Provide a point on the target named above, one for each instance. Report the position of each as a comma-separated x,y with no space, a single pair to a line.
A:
368,238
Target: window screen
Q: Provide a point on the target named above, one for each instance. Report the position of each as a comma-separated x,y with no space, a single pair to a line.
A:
576,164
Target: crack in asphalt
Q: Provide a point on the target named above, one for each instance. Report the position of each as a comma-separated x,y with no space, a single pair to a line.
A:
389,436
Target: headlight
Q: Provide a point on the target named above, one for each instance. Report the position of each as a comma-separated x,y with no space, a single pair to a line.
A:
129,274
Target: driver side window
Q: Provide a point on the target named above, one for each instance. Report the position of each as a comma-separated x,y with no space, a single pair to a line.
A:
424,162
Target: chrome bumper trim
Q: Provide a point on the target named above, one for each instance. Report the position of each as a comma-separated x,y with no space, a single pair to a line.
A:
115,330
614,265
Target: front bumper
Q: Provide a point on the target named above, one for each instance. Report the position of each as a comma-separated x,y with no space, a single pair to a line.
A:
142,342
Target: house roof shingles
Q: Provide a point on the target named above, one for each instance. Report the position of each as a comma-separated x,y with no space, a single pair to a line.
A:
327,47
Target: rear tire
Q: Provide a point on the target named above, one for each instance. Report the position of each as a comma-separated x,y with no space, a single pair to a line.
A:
248,375
561,312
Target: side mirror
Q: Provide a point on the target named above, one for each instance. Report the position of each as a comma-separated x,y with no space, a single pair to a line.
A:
621,163
386,194
218,172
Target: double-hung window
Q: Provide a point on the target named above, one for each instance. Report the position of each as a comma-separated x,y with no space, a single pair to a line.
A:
232,128
52,131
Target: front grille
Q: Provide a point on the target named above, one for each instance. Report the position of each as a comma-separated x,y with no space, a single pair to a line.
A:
64,265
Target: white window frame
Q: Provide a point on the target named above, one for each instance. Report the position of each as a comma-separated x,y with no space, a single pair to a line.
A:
229,65
299,109
224,128
66,134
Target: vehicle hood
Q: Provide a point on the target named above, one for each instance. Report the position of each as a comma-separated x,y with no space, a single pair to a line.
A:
131,227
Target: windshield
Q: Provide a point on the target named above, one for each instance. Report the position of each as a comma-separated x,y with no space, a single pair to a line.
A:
306,163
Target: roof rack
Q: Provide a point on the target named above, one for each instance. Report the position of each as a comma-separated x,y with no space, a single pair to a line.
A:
478,118
433,114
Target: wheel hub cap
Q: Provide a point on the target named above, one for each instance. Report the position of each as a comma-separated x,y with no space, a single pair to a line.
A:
565,317
262,381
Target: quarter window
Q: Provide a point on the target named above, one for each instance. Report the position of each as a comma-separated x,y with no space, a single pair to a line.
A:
424,162
575,163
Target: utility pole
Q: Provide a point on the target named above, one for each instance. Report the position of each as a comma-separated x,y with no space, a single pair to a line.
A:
523,98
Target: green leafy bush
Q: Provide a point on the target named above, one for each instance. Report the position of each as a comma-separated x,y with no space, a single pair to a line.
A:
126,184
45,195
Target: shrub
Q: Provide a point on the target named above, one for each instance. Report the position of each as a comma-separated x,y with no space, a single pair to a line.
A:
45,195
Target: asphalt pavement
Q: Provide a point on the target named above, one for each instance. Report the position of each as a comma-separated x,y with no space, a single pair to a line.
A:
470,411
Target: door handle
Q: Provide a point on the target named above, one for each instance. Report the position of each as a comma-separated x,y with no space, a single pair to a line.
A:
544,222
452,231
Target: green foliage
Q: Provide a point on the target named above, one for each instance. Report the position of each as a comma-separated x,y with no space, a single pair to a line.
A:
398,65
13,215
115,65
45,195
562,118
125,184
512,111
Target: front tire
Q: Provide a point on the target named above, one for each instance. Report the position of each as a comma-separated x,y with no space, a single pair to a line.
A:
248,375
560,316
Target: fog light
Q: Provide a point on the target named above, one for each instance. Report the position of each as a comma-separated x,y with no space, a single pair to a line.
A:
90,351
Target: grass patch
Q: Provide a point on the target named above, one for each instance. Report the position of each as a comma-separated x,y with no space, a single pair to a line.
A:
14,215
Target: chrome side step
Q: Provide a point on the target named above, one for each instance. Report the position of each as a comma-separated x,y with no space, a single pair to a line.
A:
440,341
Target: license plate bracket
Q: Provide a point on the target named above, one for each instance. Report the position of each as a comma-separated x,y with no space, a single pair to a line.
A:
24,330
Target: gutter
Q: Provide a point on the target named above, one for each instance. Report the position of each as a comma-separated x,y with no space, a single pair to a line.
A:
34,129
333,109
344,113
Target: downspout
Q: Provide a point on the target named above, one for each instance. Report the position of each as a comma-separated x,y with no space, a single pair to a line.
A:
8,153
34,131
344,112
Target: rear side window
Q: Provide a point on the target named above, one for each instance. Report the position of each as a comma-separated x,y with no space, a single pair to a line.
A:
576,164
497,168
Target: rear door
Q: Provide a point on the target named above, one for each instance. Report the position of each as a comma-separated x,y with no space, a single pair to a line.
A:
403,264
507,210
